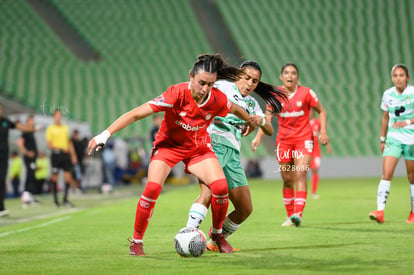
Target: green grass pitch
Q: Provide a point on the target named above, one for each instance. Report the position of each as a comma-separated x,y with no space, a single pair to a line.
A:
336,236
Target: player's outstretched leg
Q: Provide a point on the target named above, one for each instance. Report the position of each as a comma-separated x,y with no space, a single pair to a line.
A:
143,215
219,206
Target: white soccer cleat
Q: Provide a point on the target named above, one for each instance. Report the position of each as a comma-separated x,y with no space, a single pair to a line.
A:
286,223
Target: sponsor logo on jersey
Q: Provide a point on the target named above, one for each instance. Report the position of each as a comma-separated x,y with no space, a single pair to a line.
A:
292,114
188,127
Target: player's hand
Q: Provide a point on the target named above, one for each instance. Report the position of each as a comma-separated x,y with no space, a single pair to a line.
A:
255,144
258,120
98,142
400,124
382,146
323,138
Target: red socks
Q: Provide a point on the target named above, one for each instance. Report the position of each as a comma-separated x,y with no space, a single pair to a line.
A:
145,208
294,203
289,201
219,202
315,180
300,201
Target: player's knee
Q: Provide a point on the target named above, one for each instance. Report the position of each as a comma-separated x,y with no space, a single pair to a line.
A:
152,190
219,187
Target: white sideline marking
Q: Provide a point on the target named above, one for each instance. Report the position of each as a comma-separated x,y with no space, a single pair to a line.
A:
36,226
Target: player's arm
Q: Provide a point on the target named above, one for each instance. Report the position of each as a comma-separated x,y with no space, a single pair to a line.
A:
260,133
123,121
266,126
323,136
24,128
251,121
384,129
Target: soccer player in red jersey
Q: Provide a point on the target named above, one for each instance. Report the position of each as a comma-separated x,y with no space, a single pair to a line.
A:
188,110
316,154
294,143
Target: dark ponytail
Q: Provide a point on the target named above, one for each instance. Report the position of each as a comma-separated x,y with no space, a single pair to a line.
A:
213,63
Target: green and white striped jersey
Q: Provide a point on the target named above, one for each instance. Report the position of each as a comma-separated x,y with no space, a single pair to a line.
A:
400,107
228,130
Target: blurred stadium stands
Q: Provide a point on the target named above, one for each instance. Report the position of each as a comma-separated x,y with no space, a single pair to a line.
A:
344,50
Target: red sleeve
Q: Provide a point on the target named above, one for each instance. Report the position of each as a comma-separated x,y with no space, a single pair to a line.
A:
313,98
164,101
222,100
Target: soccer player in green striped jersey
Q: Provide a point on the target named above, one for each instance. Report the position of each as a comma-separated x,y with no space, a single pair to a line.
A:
226,134
397,137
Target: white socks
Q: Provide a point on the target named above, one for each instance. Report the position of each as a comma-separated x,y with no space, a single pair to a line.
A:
412,197
229,227
384,187
196,216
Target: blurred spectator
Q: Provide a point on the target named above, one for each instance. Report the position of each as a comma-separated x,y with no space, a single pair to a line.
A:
121,152
156,121
5,126
253,169
63,156
108,163
79,168
15,173
42,172
27,146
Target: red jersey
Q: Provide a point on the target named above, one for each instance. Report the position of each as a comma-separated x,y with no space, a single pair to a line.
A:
316,128
294,124
185,122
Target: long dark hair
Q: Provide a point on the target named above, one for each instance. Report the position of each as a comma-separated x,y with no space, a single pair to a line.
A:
289,64
213,63
402,66
269,93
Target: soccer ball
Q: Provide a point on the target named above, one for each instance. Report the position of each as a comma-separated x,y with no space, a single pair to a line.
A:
190,242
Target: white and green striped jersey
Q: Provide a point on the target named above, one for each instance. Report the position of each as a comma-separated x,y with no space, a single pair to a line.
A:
400,107
228,130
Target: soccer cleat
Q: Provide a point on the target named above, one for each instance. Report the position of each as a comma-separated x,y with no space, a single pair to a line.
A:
68,204
411,218
223,245
296,219
136,249
315,196
286,223
4,213
377,216
212,246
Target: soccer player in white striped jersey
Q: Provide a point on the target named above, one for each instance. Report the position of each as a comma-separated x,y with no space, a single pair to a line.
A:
397,137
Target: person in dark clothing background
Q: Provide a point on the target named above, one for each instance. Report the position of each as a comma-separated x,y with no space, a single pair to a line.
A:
28,147
5,125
